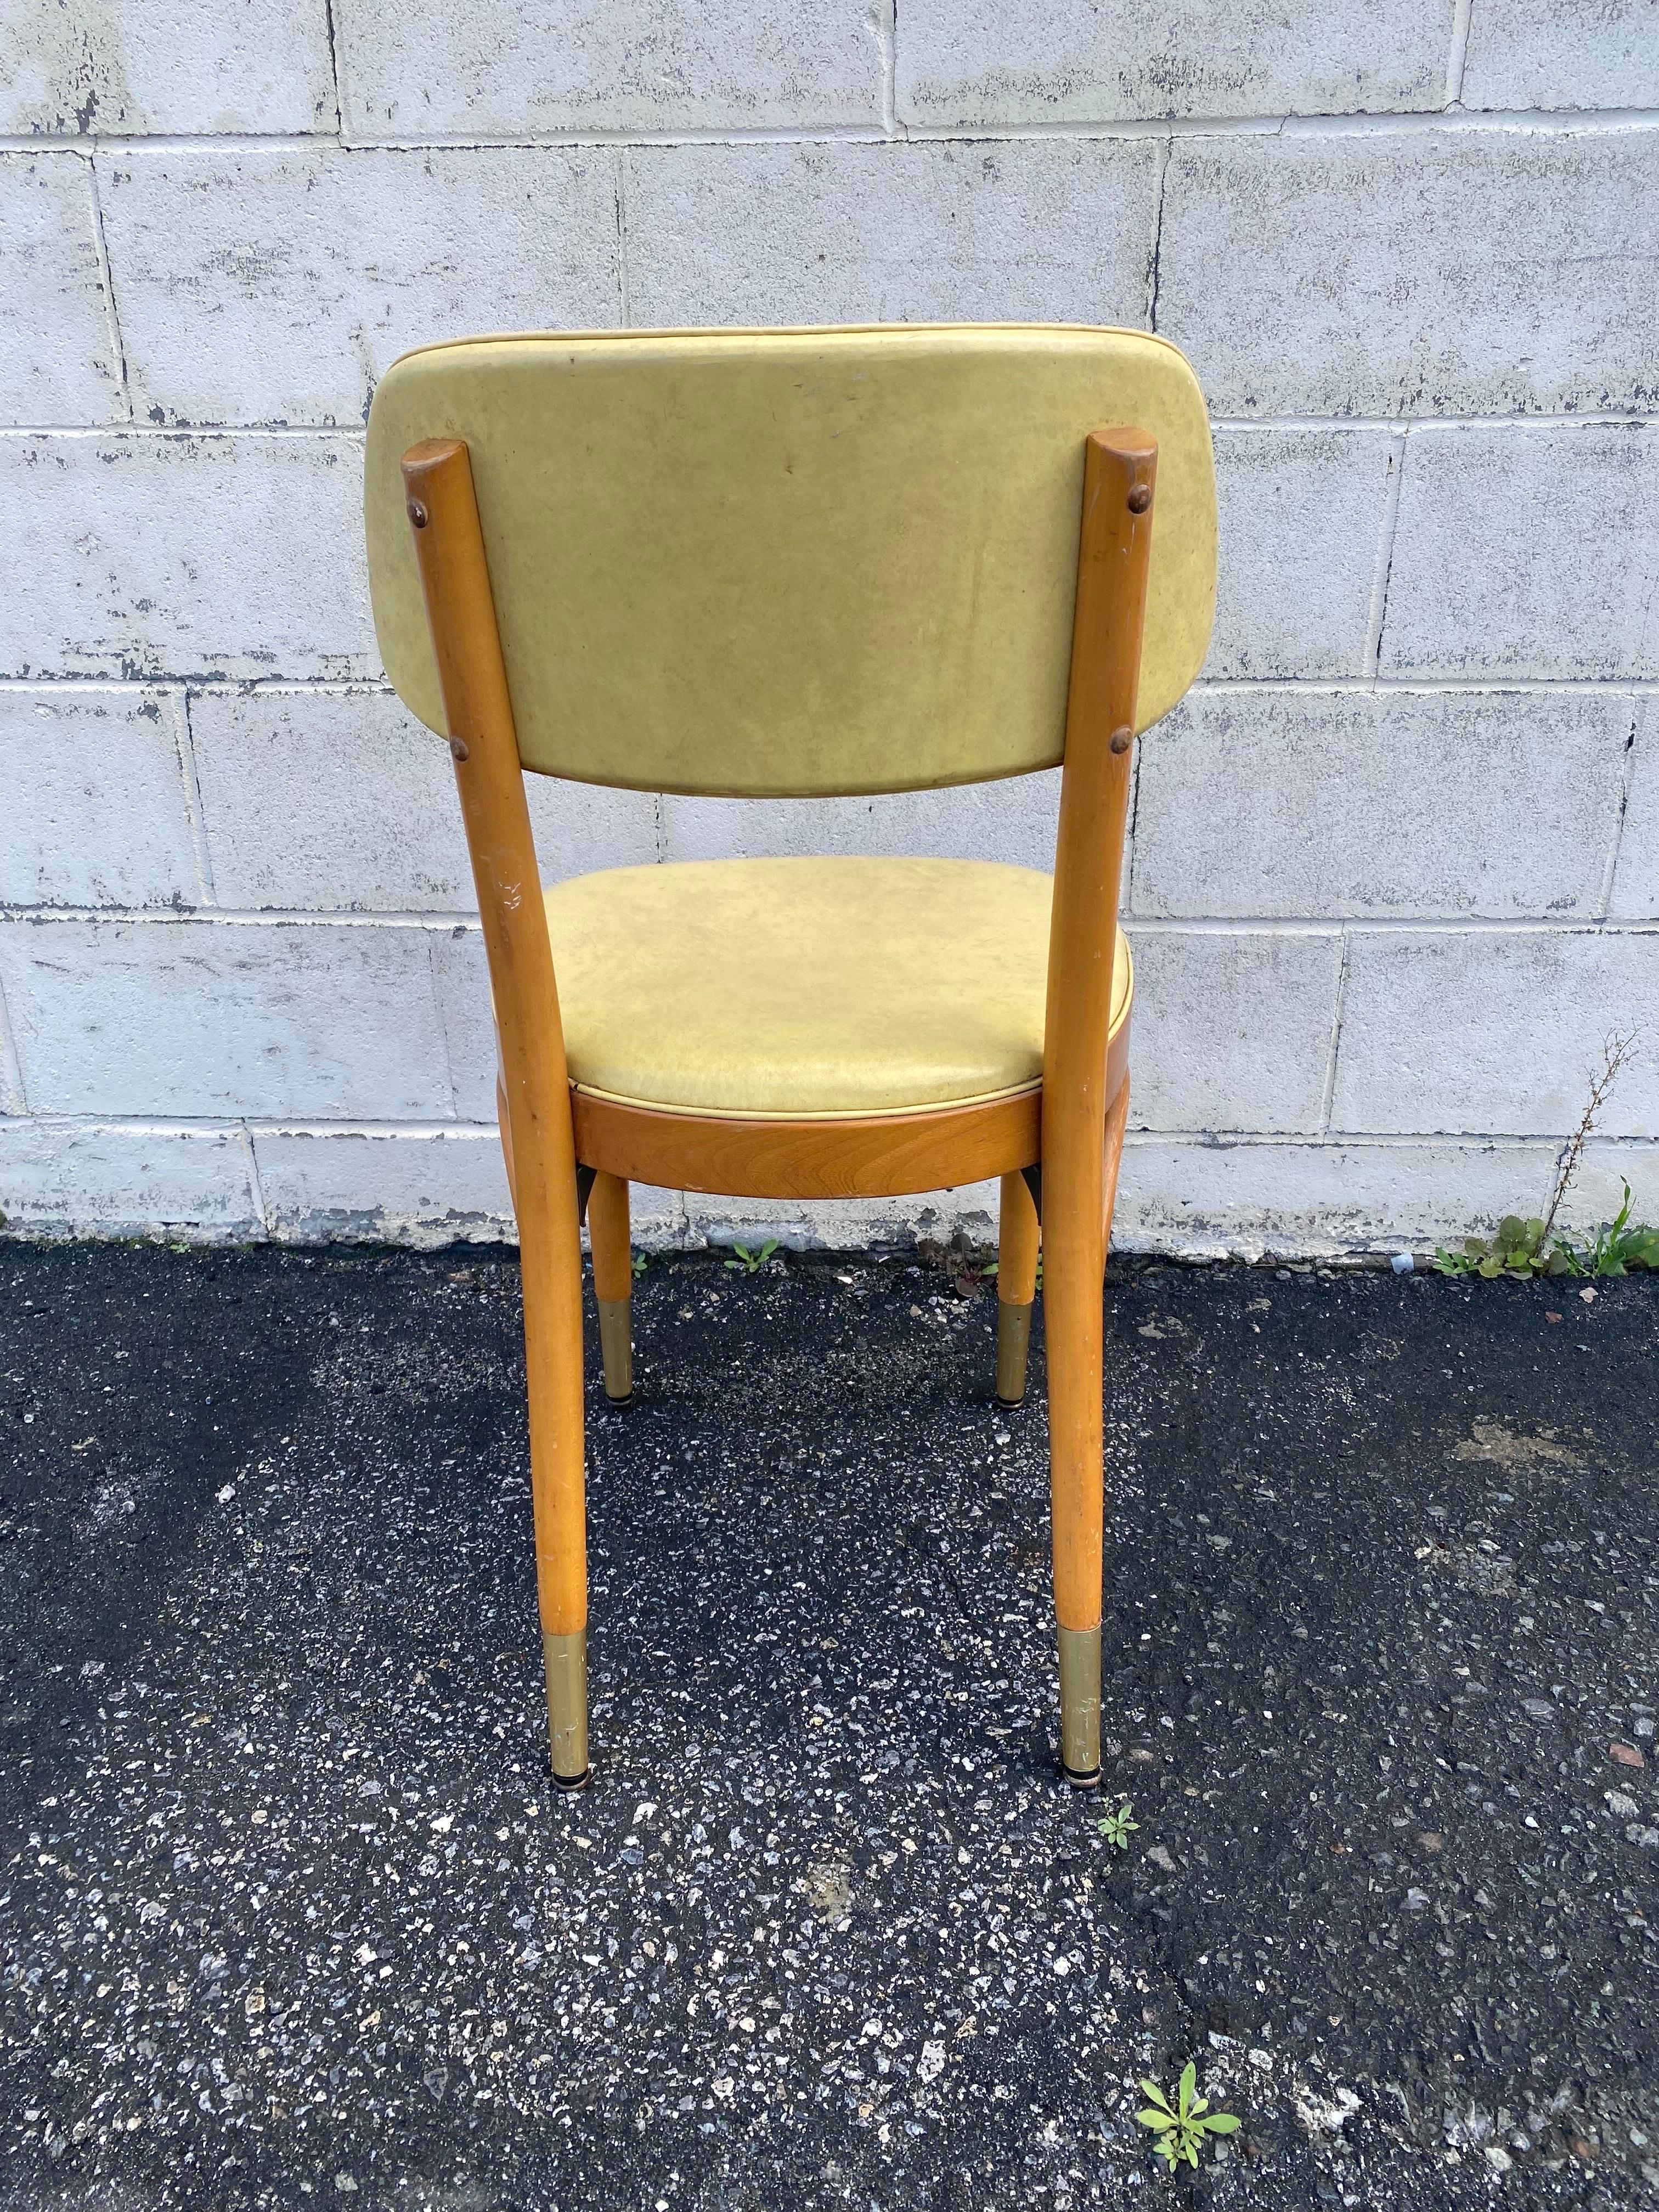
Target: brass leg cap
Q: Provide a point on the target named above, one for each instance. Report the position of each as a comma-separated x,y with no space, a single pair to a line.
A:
617,1348
1013,1348
564,1660
1079,1706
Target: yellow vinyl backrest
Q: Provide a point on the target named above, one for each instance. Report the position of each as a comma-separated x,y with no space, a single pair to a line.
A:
774,562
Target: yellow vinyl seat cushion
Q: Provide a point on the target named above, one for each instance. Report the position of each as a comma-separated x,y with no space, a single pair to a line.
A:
806,987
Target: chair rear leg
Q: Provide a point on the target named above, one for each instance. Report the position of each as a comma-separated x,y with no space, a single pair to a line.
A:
1017,1265
553,1347
1076,1189
551,1263
1075,1321
613,1283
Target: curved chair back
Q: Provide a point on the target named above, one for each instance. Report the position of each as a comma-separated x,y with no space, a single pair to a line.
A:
770,563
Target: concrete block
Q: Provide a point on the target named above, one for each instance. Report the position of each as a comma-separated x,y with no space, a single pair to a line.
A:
96,812
424,1188
1494,1031
57,355
1250,1200
1301,516
98,1179
277,285
1598,1189
1232,1027
1636,878
579,827
1013,821
656,1219
420,1187
205,1019
1378,272
193,65
1556,54
468,70
139,556
460,978
843,1224
1529,550
338,801
1043,229
1076,60
1336,803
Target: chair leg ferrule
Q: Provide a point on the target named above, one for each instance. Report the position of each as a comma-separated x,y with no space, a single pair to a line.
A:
1013,1349
617,1348
1079,1706
564,1659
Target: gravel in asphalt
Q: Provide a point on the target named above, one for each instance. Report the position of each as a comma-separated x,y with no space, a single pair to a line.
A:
292,1916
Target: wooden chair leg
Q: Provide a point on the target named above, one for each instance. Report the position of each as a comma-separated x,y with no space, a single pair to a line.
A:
613,1283
553,1351
1017,1236
1073,1321
1074,1262
1073,1265
532,1091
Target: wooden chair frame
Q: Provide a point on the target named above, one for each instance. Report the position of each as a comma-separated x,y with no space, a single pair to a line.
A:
1056,1146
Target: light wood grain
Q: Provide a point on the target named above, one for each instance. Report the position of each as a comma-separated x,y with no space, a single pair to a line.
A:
877,1155
1120,465
608,1238
534,1081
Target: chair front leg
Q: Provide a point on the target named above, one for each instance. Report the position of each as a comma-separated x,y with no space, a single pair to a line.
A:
1018,1235
613,1283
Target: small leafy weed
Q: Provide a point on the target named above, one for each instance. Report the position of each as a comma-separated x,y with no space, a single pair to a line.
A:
1179,2130
1118,1826
750,1263
1524,1248
639,1263
1618,1248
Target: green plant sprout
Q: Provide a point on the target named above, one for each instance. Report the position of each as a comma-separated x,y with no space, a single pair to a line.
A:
1524,1248
1519,1248
750,1263
1618,1247
1179,2128
639,1263
1118,1826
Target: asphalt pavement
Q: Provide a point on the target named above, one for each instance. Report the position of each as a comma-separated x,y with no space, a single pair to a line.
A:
291,1916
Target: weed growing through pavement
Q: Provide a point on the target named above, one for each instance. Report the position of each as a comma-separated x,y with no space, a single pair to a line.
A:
1179,2130
1621,1245
640,1263
1118,1826
750,1263
1524,1247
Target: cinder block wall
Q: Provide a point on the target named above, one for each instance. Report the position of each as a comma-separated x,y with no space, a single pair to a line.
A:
1395,864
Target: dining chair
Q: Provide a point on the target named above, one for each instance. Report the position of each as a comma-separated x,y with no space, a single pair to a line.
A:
800,562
